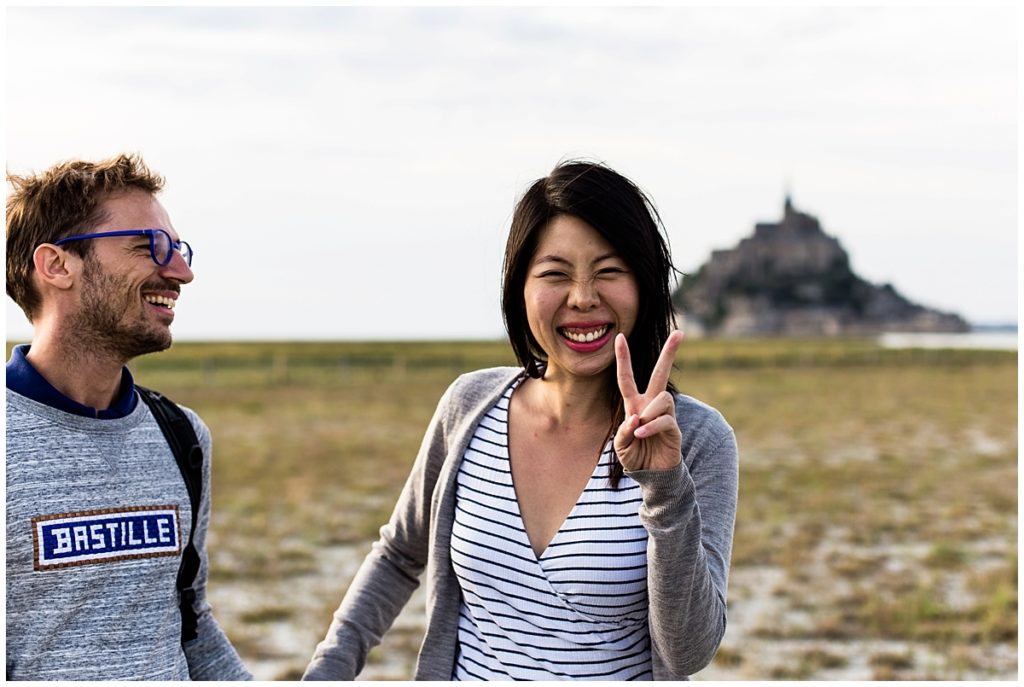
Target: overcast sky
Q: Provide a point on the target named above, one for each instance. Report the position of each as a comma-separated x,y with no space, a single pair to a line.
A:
350,172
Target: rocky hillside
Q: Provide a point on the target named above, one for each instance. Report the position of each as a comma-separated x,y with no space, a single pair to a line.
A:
791,278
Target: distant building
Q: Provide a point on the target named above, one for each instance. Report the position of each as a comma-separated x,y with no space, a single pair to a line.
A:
793,279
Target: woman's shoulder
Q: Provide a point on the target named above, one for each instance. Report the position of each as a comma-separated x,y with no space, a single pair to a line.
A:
472,387
487,378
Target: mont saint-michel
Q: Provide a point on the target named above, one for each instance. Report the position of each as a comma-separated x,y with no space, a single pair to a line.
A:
791,278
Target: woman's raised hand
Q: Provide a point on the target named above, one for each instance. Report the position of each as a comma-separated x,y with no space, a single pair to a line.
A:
648,438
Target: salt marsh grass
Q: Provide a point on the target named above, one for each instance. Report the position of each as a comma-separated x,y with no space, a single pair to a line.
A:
876,535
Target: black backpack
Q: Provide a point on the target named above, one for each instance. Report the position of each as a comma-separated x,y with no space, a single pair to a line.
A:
185,445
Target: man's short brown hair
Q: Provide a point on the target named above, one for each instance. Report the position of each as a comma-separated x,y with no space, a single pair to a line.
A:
63,201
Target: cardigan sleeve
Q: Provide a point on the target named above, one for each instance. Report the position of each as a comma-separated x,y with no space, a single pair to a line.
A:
390,573
689,513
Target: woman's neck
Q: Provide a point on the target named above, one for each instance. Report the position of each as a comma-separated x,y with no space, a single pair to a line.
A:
566,400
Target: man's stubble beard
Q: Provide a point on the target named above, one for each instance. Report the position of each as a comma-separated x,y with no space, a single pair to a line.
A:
104,323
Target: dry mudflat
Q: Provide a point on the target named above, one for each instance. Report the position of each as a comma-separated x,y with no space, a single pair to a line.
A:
876,535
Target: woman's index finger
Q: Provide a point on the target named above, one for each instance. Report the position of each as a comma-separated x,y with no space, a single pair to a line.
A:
624,368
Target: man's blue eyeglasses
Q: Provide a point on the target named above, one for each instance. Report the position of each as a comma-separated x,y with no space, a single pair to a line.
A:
161,246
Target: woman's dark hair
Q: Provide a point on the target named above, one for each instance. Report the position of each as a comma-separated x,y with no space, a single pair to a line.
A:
618,210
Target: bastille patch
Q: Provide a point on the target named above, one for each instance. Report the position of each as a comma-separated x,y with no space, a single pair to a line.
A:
102,536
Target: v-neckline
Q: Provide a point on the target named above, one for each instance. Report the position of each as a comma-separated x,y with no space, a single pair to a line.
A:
568,516
538,558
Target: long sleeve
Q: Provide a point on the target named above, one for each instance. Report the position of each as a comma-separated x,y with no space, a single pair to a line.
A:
210,655
689,513
390,573
103,617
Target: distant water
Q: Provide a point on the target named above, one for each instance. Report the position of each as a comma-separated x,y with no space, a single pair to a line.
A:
991,340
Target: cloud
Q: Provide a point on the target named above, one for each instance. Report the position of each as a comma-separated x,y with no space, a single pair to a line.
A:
334,156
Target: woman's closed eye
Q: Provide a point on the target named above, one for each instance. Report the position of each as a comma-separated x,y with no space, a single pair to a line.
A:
552,274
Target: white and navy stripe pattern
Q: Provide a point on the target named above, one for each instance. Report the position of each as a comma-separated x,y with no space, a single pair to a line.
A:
580,610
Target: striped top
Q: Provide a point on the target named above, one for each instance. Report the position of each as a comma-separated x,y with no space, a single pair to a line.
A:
580,610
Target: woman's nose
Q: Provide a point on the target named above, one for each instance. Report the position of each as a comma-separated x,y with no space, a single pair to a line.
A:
583,295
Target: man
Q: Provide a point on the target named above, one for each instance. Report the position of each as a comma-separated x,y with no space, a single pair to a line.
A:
98,513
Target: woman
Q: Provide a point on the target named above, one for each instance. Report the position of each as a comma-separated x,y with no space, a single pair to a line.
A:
570,525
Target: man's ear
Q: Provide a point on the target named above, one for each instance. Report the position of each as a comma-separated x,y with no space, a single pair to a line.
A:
56,267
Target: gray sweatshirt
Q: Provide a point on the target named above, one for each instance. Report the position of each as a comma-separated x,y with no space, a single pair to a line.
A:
97,518
688,512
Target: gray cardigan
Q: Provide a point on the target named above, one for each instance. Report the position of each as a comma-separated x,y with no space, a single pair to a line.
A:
688,512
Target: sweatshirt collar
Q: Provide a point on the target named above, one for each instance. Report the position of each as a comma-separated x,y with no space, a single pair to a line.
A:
24,379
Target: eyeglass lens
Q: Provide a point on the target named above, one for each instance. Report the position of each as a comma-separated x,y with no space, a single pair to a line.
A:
162,247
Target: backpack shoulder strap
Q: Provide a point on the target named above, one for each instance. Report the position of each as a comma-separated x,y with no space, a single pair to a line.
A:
181,437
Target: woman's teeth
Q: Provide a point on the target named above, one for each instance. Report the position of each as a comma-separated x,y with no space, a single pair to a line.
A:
585,336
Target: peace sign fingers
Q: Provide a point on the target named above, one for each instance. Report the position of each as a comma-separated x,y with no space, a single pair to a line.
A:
648,437
633,399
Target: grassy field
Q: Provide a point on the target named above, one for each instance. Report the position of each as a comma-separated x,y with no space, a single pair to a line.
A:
877,524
